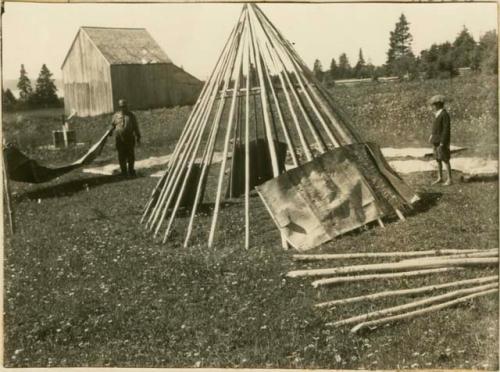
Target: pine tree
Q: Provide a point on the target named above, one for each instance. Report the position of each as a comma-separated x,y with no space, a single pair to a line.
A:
45,91
400,58
333,72
488,53
464,48
360,65
8,99
344,67
318,70
24,86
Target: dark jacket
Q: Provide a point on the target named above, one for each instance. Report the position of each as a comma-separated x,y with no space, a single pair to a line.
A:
126,127
441,129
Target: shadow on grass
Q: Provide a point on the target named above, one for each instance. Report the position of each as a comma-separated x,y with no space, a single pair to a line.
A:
69,188
426,202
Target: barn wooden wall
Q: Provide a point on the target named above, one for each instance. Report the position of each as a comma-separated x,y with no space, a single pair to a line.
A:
153,85
87,79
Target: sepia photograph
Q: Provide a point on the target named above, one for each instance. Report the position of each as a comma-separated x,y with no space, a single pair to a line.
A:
250,185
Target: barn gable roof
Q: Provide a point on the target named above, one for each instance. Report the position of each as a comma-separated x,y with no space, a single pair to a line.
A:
125,45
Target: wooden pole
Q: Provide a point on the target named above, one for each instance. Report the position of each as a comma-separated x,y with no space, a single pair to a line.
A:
178,163
193,159
289,141
187,128
226,148
280,46
265,109
247,146
352,136
8,198
303,142
193,119
403,292
415,313
487,253
359,278
319,140
341,256
208,156
392,266
413,304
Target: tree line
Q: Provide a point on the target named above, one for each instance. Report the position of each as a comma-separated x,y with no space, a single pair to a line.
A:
43,96
439,61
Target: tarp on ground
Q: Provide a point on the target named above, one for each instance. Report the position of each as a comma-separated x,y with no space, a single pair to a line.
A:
23,169
339,191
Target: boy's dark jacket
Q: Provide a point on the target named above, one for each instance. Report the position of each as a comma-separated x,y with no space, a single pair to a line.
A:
441,129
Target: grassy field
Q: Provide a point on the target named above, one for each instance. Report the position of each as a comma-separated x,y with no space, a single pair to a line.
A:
85,286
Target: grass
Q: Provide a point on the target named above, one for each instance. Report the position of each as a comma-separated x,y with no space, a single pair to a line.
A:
86,286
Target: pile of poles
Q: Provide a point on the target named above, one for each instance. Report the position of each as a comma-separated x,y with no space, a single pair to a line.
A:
410,264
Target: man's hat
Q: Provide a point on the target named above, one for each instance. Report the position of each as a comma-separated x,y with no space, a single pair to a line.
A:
122,103
437,99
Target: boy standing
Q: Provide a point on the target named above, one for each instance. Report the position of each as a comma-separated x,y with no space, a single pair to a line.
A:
440,138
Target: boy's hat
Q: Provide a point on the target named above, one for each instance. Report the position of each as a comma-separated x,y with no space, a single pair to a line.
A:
437,99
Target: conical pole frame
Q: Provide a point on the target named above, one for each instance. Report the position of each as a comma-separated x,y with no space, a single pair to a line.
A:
259,90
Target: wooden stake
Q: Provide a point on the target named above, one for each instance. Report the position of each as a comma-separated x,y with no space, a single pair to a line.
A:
419,312
393,266
341,256
359,278
403,292
413,304
226,147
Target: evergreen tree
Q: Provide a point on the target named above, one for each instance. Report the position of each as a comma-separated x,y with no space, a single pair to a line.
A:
24,86
318,70
400,58
333,72
438,61
464,48
45,91
359,69
488,53
8,100
344,67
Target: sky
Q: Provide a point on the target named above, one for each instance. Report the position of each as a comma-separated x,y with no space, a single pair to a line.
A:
193,35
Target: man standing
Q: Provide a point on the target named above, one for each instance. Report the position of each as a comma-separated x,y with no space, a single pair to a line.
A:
127,135
440,138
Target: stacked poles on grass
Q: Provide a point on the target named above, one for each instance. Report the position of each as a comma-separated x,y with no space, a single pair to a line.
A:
433,261
288,105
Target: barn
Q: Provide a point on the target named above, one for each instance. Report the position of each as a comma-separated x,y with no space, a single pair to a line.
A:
105,64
